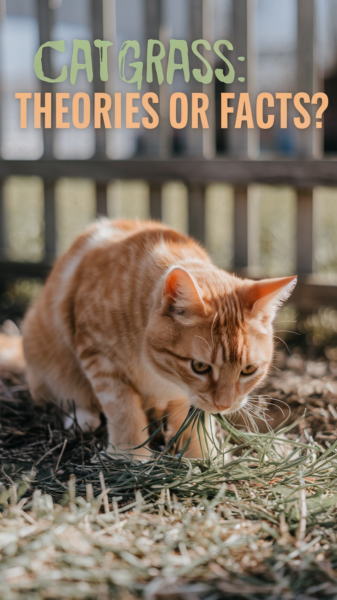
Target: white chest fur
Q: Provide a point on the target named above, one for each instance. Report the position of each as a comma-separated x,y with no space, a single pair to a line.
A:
156,391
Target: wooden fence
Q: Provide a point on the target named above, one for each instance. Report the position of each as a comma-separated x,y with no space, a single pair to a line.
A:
237,168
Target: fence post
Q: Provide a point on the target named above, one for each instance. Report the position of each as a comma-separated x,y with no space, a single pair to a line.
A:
304,232
195,136
196,212
307,139
209,135
45,20
196,192
97,18
155,202
241,258
98,85
101,200
50,234
3,229
153,17
243,142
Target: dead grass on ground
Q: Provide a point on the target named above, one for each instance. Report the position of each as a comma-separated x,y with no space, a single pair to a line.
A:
258,521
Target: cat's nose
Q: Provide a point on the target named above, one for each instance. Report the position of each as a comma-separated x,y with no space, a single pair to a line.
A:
225,401
221,406
224,394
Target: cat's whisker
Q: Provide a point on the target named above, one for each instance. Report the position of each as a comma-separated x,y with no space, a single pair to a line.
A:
260,416
257,402
251,408
276,400
286,331
286,345
243,414
252,420
257,405
276,404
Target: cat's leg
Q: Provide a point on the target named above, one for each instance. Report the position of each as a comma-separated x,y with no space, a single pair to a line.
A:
78,389
121,404
126,420
84,418
37,387
177,411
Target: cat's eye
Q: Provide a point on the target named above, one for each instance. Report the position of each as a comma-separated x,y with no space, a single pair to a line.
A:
200,368
248,370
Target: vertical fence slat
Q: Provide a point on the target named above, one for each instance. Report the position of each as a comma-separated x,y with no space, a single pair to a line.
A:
155,202
97,17
50,234
45,19
309,140
195,136
153,16
3,228
196,212
304,232
98,85
243,142
241,258
209,141
101,200
238,138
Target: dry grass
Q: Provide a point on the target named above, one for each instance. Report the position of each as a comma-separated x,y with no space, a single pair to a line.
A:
79,552
259,521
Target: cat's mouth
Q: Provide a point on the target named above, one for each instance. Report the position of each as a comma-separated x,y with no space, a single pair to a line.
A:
236,406
228,410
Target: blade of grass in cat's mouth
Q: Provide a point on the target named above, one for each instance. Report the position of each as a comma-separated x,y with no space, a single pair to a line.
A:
210,444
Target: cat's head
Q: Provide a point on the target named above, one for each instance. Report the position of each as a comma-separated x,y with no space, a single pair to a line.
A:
214,337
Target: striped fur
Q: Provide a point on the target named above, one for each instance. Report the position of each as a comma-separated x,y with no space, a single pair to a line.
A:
123,314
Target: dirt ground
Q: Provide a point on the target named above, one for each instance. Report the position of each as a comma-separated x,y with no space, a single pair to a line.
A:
240,547
295,387
298,386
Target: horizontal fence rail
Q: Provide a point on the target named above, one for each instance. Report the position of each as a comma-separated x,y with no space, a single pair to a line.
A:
196,174
298,173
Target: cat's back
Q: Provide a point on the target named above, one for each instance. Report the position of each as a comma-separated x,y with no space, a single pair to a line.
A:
117,235
111,240
100,294
76,287
124,258
128,244
121,253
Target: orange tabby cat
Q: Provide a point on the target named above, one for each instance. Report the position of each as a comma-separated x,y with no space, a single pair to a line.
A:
136,318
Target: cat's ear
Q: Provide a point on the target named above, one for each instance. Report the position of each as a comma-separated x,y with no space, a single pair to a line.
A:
181,294
264,298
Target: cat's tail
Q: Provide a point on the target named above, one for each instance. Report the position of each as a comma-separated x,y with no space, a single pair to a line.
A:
11,354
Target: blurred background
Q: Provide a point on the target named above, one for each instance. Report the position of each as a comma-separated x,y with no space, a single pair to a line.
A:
290,46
